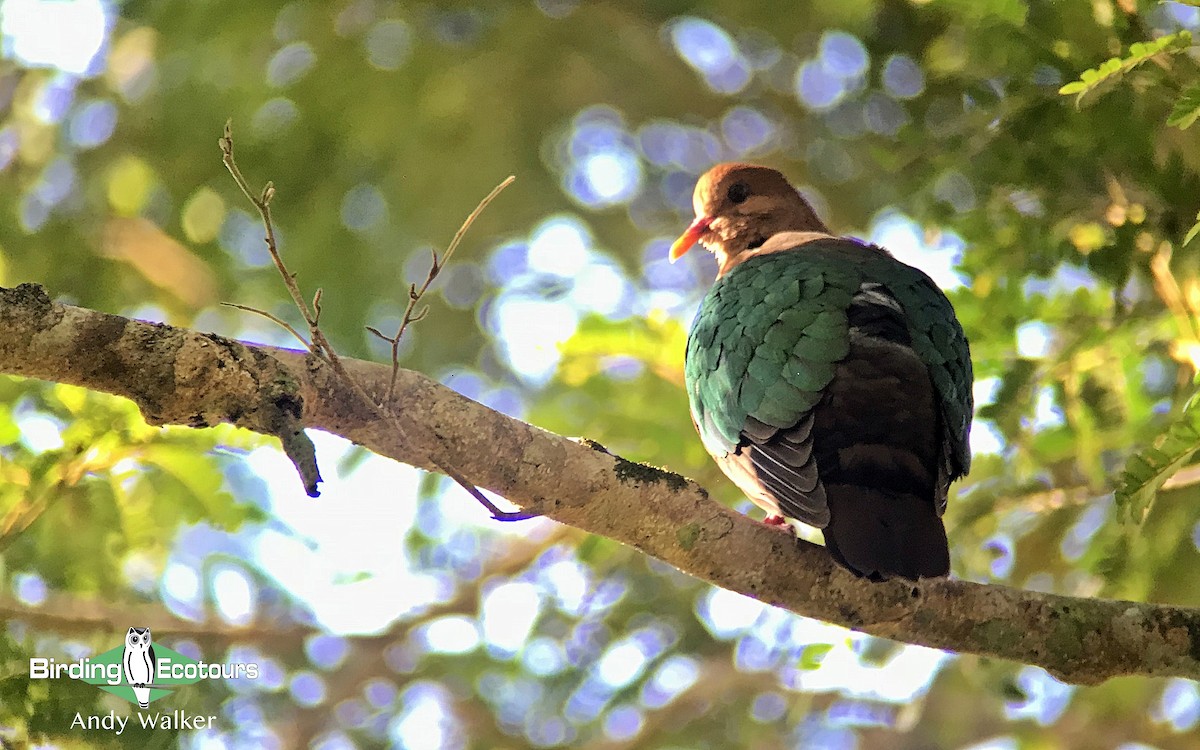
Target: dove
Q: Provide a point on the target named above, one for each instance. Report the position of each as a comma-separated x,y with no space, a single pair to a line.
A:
829,381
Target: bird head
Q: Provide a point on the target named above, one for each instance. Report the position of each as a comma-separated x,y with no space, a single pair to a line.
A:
739,207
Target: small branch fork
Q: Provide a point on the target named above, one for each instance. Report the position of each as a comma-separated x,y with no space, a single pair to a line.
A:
319,345
436,264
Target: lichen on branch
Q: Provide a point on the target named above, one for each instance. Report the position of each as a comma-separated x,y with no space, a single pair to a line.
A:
178,376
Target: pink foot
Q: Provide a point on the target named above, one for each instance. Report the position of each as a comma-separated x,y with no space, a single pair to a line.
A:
775,521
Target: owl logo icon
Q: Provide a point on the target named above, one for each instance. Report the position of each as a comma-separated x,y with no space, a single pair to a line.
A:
139,663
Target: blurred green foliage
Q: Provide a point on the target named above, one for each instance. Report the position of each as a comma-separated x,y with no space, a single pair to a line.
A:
945,126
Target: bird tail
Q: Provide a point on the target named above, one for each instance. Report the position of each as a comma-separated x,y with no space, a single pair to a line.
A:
880,534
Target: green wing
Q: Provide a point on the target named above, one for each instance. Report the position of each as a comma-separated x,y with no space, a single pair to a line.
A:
765,344
769,334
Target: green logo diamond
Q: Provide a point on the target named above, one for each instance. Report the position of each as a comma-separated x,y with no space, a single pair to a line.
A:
139,672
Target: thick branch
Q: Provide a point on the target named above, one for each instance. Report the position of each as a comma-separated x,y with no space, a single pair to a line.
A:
183,377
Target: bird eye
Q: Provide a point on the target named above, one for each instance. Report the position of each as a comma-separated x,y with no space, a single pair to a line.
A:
738,192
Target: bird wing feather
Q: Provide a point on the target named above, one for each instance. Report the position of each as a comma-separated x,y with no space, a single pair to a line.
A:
765,345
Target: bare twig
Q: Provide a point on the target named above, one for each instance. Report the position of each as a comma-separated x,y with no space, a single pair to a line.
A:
273,318
263,204
320,345
475,492
436,264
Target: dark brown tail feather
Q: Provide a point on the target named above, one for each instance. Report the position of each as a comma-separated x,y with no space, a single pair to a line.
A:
879,535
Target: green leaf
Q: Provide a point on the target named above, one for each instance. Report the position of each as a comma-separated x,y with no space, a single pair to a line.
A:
1147,470
1187,108
1113,68
812,655
1191,235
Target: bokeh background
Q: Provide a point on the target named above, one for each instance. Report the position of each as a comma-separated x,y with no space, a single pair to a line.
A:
391,611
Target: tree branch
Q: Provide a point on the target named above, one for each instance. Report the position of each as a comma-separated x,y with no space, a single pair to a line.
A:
177,376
